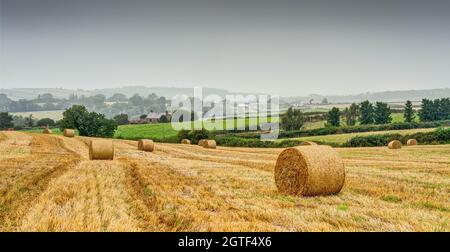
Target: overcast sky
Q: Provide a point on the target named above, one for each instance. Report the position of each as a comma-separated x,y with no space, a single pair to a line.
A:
283,47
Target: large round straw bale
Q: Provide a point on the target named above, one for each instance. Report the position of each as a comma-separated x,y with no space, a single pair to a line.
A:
101,150
186,141
395,144
307,143
69,133
411,142
210,144
146,145
47,131
309,171
201,142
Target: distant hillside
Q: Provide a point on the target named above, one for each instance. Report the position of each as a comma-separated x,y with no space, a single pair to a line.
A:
387,96
169,92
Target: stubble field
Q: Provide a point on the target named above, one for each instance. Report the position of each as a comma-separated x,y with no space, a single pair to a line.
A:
47,183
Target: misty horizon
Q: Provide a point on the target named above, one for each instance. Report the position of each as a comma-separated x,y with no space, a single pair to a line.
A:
288,48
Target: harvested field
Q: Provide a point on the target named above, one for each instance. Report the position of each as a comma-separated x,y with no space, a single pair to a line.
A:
48,183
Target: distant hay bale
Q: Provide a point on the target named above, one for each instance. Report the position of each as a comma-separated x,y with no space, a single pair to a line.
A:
69,132
201,142
146,145
101,150
395,144
10,129
411,142
210,144
307,143
186,141
47,131
309,171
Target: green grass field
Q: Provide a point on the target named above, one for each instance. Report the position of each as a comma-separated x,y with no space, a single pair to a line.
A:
55,115
342,138
165,130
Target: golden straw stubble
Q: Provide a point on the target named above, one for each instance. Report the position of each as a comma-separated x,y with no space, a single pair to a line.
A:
309,171
146,145
100,149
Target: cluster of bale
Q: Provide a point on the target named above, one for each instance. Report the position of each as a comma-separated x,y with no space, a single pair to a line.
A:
396,144
309,171
146,145
101,149
207,143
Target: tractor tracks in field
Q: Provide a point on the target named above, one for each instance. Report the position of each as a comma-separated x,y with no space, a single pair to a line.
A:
26,178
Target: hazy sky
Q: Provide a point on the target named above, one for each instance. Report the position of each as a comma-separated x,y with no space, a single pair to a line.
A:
283,47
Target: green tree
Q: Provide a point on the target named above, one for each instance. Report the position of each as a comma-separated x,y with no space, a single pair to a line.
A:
87,123
408,114
73,117
196,135
143,116
292,120
334,117
45,122
426,112
6,120
29,121
351,114
366,113
382,113
95,124
121,119
164,119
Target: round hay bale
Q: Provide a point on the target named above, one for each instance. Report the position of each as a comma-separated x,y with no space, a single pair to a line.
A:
395,144
47,131
411,142
101,150
69,133
146,145
186,141
210,144
307,143
309,171
201,142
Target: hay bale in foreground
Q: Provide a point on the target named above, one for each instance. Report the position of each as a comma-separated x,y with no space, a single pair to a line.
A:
146,145
186,141
101,150
69,133
47,131
309,171
201,142
210,144
411,142
307,143
395,144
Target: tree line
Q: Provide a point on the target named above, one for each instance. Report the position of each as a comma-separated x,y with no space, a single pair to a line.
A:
116,104
372,113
